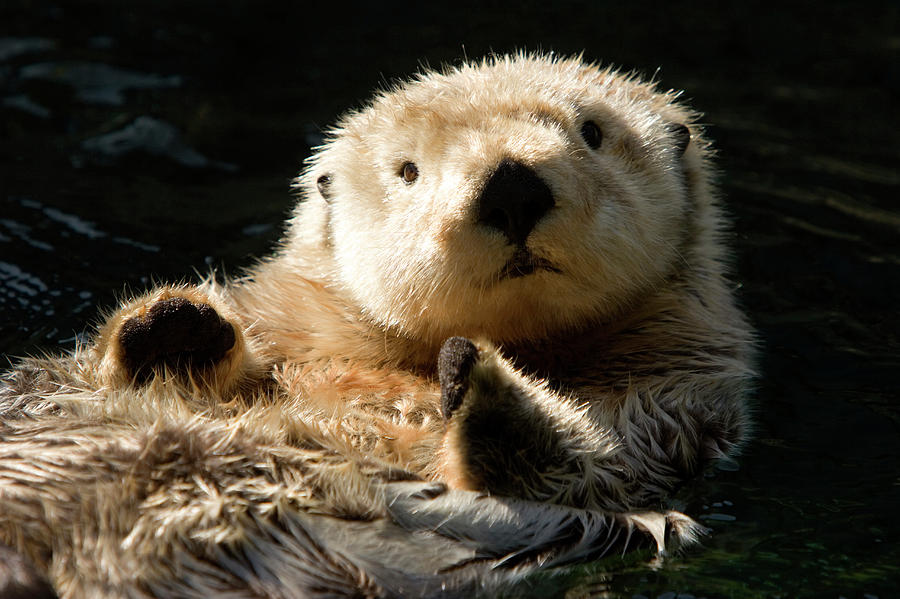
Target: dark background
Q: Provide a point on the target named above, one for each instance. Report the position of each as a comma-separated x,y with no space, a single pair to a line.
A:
800,99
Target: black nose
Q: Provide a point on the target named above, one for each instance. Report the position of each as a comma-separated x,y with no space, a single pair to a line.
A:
514,200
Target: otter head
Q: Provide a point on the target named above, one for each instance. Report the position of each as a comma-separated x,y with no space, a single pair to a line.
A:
512,199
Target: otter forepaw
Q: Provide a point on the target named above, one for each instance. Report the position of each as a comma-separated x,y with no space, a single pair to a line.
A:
175,333
509,434
183,331
491,420
455,361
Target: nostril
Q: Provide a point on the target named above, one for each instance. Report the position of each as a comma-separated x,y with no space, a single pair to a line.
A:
513,200
496,219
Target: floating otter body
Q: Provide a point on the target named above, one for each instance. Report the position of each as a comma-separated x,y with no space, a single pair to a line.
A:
500,301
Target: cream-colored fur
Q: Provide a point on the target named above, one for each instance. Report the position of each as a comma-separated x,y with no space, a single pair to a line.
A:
616,368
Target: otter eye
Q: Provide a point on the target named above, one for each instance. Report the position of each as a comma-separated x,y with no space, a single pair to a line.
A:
591,134
409,172
323,184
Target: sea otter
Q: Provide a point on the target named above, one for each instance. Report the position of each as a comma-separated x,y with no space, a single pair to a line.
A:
504,279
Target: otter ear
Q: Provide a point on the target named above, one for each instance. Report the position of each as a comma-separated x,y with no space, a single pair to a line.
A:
323,184
681,137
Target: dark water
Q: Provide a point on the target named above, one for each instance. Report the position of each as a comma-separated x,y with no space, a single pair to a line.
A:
145,141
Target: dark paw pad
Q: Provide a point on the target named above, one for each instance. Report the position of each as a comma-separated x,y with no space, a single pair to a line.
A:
458,356
176,333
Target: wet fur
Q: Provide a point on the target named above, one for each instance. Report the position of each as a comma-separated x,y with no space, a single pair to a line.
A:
596,384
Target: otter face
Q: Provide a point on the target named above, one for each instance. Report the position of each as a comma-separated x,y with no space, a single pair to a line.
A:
510,199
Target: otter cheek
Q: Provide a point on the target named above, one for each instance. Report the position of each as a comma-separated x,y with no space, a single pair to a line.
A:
356,250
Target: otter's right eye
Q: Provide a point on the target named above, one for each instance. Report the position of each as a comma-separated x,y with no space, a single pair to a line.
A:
591,134
409,172
323,184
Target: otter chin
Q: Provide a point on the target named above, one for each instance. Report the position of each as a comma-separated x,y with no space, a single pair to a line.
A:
524,263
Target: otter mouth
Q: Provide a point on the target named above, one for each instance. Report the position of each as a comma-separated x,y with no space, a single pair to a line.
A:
523,263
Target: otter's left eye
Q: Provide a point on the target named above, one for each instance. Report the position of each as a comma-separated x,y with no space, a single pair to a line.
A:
591,134
409,172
